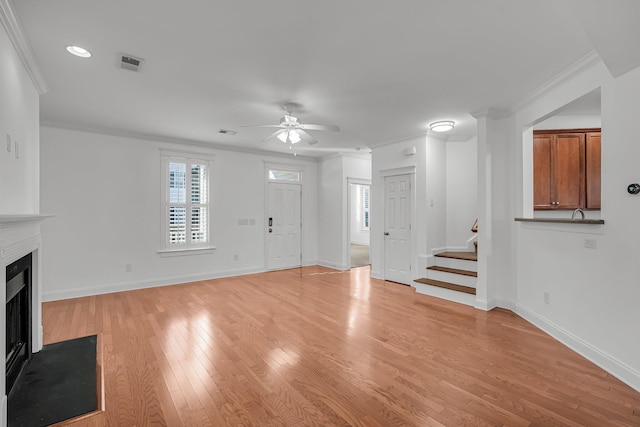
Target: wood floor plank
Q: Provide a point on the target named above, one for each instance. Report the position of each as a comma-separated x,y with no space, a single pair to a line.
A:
314,346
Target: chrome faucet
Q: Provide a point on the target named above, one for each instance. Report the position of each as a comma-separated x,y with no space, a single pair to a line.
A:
577,211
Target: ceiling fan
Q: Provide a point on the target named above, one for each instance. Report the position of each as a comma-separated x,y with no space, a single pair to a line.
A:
291,131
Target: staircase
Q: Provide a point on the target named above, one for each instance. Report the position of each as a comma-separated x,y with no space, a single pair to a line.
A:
453,277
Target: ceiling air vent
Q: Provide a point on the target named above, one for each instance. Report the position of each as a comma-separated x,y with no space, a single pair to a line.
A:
131,63
227,132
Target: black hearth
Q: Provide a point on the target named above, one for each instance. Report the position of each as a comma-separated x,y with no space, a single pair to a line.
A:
18,311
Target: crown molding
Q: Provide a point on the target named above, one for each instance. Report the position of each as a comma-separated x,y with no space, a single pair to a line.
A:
170,140
588,61
491,113
460,138
401,139
21,44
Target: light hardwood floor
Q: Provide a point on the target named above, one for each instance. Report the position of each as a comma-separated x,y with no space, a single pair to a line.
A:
314,346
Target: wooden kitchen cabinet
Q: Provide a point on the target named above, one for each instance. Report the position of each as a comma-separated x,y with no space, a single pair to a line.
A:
593,170
566,169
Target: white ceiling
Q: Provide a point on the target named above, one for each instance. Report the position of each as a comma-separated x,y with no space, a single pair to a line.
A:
380,70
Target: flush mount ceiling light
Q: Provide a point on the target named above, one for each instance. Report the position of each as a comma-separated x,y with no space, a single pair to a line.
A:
442,126
78,51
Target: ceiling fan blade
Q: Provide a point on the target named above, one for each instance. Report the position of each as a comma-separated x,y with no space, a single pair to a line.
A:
331,128
260,126
306,137
273,135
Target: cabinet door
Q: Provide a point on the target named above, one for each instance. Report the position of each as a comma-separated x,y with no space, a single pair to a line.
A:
569,169
593,170
542,172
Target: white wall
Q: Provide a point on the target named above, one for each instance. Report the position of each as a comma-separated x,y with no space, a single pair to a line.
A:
331,216
435,203
570,121
594,294
333,237
19,118
359,235
105,191
462,191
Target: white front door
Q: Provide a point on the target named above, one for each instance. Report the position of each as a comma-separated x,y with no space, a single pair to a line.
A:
397,228
283,226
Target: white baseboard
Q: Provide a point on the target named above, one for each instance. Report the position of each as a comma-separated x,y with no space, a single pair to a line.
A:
130,286
438,250
618,369
482,304
377,274
335,266
506,303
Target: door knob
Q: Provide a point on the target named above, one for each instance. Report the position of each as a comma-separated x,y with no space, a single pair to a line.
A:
386,233
270,230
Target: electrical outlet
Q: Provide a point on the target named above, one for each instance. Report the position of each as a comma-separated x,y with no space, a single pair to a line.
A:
432,202
547,298
590,243
128,268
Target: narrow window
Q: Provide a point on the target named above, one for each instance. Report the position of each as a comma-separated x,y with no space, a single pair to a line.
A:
186,203
284,175
365,207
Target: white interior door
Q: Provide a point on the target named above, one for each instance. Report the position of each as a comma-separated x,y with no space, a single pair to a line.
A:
283,226
397,228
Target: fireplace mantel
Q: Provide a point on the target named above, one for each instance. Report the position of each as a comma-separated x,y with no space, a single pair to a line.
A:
7,221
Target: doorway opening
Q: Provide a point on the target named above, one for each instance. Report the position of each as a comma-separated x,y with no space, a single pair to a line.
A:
359,220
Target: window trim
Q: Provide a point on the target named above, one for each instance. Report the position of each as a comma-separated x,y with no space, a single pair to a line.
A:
283,168
167,250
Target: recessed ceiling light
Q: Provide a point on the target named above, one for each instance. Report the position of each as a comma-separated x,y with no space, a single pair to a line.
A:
442,126
78,51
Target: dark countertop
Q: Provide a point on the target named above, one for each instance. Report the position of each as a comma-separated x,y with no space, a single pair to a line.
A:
562,220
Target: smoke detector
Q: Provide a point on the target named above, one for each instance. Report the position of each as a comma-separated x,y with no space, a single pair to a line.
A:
130,62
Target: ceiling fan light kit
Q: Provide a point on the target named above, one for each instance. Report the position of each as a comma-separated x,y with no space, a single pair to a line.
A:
442,126
291,136
292,131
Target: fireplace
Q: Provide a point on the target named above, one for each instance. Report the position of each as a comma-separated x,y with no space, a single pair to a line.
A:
18,318
20,261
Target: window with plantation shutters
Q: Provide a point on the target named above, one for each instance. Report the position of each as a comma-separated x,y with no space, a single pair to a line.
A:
186,207
365,207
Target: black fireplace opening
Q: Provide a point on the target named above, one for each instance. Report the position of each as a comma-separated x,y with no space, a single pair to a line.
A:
18,321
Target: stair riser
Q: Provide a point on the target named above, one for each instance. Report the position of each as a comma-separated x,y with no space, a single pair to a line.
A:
460,264
454,278
459,297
